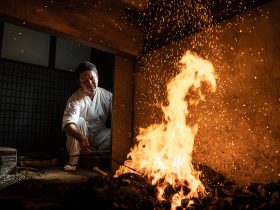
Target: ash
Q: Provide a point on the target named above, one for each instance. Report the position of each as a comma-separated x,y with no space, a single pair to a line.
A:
21,174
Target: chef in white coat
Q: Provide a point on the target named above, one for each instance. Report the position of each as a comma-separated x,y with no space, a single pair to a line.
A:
85,116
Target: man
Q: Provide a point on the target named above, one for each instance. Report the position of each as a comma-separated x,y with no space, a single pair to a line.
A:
85,116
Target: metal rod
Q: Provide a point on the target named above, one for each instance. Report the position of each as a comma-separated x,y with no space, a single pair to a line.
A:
104,155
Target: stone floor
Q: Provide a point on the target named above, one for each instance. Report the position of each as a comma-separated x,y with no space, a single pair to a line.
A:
54,189
50,167
51,173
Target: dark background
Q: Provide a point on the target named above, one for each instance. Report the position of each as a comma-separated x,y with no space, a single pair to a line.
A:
33,98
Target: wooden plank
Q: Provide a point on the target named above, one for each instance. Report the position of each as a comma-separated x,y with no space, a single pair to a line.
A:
92,23
122,110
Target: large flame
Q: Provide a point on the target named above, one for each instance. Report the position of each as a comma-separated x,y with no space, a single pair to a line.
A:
164,151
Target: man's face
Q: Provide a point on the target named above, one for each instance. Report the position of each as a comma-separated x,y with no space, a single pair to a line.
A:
88,82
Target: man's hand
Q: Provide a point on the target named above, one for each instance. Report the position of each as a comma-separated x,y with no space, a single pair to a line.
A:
72,130
84,143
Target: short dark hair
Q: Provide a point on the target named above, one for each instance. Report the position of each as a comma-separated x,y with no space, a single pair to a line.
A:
85,66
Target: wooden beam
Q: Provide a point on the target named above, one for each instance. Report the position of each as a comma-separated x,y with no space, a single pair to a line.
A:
89,22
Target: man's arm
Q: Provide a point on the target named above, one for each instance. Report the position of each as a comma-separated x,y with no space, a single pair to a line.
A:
71,130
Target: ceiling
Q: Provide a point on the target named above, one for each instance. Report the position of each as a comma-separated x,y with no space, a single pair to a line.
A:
125,27
164,21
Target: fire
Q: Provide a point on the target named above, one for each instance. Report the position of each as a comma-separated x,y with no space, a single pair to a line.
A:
164,151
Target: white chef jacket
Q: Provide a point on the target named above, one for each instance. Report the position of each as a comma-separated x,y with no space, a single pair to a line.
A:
95,112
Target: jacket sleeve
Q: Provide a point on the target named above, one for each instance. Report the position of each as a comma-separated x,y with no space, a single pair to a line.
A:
71,113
